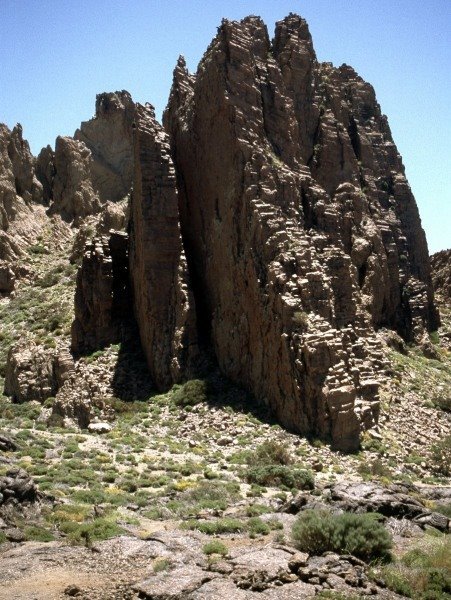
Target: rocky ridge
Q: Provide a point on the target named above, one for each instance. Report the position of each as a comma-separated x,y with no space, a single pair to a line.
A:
290,165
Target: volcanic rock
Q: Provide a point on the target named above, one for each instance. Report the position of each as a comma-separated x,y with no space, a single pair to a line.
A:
18,485
101,296
73,194
441,274
164,306
109,138
300,228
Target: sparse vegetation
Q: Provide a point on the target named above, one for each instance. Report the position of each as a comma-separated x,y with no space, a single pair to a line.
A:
360,535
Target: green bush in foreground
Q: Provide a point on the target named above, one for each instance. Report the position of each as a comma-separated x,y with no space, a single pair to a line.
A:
190,393
361,535
423,573
280,475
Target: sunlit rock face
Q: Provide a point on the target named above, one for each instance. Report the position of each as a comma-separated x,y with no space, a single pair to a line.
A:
300,228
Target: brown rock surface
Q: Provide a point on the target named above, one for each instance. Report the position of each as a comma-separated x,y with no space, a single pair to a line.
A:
441,274
102,293
73,194
19,188
109,137
299,225
35,373
164,307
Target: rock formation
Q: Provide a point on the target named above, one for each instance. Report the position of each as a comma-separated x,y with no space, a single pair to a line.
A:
35,373
19,187
271,226
102,293
73,194
109,137
300,228
441,274
164,306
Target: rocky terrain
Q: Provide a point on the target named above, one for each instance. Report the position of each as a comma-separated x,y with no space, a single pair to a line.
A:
224,369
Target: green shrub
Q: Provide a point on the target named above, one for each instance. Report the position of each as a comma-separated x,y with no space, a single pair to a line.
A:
441,456
161,564
442,401
270,452
38,534
86,533
215,547
226,525
190,393
361,535
256,527
280,475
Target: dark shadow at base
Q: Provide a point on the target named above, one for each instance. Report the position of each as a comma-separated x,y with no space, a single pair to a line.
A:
131,379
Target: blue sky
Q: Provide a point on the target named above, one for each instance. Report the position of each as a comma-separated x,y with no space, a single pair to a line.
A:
56,55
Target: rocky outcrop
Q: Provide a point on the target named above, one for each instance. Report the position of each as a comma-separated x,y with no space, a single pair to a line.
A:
441,274
35,373
101,297
19,188
164,306
73,194
45,172
299,225
109,138
17,486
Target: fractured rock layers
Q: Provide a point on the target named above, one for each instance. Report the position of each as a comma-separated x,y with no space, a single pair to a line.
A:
109,137
164,306
102,294
441,274
299,224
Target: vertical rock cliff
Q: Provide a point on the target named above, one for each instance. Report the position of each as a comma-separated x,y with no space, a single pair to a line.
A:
164,306
300,227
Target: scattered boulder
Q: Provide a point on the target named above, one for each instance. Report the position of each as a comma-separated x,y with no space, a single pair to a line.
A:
35,373
17,485
7,444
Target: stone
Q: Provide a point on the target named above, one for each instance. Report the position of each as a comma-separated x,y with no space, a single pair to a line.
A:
102,293
17,485
99,427
441,274
30,373
73,194
7,444
163,301
174,584
109,137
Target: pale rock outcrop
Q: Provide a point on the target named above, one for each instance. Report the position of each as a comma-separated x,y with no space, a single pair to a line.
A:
109,137
35,373
19,189
73,194
163,301
299,225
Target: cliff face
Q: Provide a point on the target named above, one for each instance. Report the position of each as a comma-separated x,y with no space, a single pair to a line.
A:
163,302
271,223
109,138
300,227
441,275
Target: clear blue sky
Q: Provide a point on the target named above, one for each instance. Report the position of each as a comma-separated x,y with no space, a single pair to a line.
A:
56,55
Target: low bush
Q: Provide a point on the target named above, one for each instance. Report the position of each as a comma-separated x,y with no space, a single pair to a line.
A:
270,452
190,393
280,476
226,525
424,573
441,456
215,547
361,535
